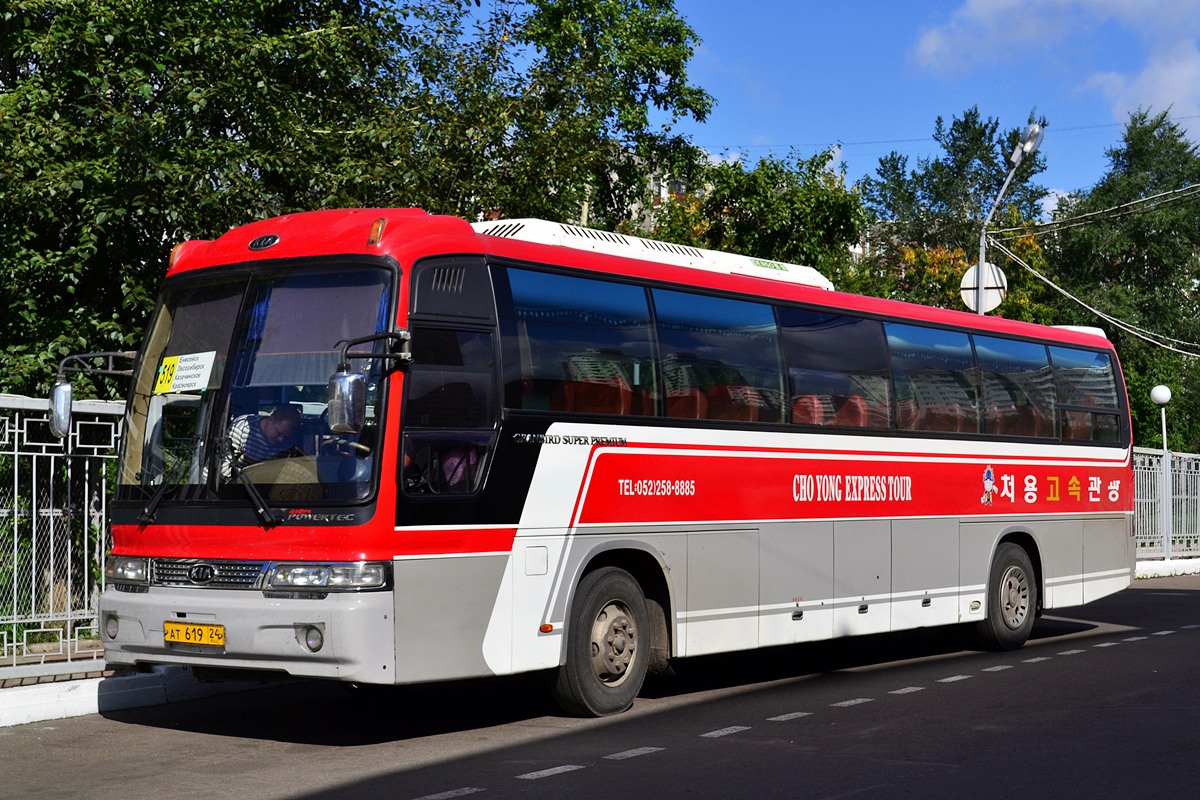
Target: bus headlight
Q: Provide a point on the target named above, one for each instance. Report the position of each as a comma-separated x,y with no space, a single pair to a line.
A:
331,577
127,569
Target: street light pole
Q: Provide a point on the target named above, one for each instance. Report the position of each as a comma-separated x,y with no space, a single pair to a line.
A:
1031,139
1160,396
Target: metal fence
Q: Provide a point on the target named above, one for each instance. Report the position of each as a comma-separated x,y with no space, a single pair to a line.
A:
53,509
54,502
1181,515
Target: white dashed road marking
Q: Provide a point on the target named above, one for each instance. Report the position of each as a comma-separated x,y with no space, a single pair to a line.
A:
546,773
641,751
725,731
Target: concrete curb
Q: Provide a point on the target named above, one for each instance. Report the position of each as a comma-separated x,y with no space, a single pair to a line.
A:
1167,568
21,705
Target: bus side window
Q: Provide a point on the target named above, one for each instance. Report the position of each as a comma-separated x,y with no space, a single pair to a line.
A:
1016,387
720,357
935,375
449,414
576,345
1087,395
836,369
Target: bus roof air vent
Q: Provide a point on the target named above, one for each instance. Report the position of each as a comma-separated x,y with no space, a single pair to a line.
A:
618,244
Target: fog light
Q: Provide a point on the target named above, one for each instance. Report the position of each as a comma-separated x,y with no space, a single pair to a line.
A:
314,640
111,626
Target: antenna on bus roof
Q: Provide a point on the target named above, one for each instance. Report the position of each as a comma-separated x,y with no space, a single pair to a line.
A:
618,244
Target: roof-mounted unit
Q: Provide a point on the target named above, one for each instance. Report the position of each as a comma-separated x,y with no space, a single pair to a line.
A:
618,244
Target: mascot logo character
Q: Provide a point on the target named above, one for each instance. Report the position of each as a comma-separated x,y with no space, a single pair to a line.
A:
989,486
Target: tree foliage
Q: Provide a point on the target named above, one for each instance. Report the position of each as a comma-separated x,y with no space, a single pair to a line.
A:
130,125
1141,265
926,221
793,209
943,201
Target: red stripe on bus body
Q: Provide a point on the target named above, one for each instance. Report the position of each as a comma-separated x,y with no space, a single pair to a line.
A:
453,541
283,543
878,455
638,487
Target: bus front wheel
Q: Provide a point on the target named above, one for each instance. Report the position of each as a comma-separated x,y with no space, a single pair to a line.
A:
1011,600
606,656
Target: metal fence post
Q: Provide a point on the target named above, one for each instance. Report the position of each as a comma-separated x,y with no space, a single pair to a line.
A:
1166,505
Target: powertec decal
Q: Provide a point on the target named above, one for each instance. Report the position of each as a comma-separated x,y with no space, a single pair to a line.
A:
184,373
648,484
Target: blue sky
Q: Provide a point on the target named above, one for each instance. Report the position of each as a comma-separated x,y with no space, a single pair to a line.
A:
874,75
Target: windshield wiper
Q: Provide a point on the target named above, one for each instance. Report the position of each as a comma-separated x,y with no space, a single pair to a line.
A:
264,513
160,491
223,454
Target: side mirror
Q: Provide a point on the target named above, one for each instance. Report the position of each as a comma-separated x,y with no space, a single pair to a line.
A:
60,409
347,410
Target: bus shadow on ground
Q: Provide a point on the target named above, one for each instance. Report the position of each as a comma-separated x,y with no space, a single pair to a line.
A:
356,716
706,673
341,715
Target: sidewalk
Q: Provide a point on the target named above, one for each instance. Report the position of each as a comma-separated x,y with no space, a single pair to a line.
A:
47,697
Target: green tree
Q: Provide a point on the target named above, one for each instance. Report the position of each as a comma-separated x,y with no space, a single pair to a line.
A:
925,222
942,202
1140,264
793,209
130,125
583,118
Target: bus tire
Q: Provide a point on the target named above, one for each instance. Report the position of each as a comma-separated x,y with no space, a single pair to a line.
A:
607,645
1011,600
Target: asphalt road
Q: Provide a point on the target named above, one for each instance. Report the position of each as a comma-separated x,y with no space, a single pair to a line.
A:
1104,701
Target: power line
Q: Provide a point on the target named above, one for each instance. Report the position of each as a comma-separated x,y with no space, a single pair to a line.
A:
926,139
1104,214
1153,337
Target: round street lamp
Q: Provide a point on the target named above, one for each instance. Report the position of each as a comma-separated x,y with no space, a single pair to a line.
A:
1161,395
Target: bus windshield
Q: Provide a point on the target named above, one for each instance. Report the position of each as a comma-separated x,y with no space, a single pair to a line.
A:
231,388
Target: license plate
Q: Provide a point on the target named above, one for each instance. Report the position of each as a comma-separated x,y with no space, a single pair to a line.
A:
194,633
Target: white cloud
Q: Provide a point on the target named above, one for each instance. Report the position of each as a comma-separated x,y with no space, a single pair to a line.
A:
1169,79
1049,203
983,32
728,157
988,33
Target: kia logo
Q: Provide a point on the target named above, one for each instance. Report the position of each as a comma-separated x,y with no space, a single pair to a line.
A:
263,242
202,573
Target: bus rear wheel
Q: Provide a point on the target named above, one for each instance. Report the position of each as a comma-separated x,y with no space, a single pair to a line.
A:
1011,600
606,658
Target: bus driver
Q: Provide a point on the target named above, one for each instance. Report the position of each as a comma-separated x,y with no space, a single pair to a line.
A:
254,438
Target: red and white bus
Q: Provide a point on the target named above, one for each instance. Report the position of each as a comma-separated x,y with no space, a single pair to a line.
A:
387,447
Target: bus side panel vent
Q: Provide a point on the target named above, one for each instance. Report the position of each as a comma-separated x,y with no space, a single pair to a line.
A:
448,280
